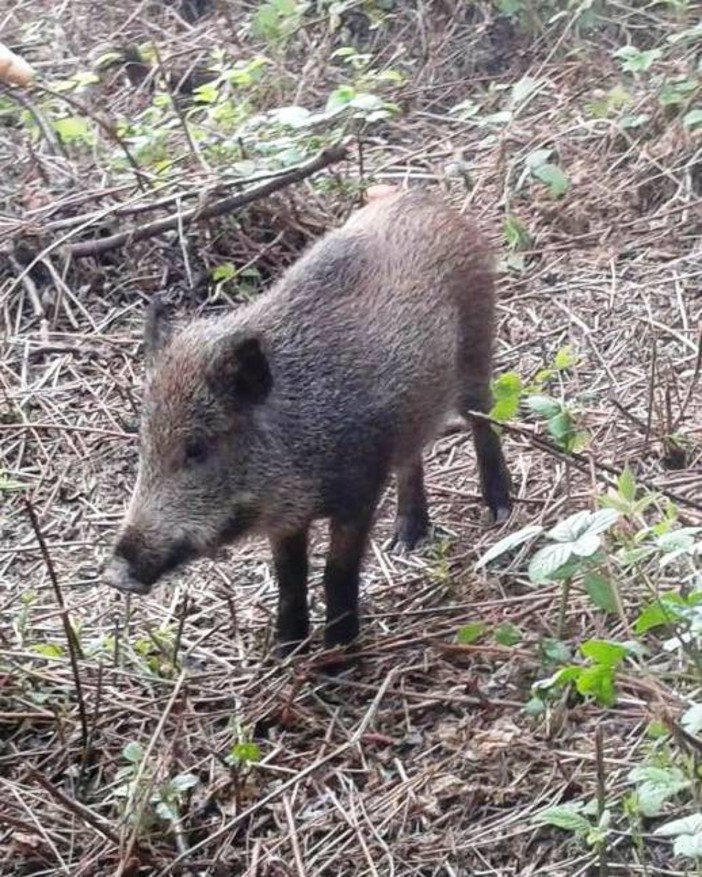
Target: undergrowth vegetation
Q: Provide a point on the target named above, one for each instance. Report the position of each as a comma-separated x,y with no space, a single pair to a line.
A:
529,700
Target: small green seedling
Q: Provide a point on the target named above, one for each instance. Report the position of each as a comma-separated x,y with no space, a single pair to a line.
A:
579,819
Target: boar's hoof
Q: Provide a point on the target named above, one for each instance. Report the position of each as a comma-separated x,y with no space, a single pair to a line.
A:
499,514
117,575
410,531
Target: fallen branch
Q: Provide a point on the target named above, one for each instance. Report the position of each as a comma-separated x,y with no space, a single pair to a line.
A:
94,247
583,461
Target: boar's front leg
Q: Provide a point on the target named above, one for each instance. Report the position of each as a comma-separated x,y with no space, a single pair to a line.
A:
290,563
412,521
341,577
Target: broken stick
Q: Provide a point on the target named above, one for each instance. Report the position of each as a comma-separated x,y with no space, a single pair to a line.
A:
95,246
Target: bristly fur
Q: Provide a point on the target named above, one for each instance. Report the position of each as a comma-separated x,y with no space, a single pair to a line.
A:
300,405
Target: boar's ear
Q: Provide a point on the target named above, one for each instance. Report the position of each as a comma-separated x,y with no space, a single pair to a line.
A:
158,329
239,370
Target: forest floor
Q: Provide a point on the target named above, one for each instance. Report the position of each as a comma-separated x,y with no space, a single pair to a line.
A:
152,735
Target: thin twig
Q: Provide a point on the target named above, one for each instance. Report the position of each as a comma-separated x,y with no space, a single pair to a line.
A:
143,789
74,650
582,461
96,246
601,796
109,129
99,823
288,784
693,383
294,842
651,392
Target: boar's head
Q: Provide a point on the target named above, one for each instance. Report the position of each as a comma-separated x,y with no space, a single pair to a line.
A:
201,436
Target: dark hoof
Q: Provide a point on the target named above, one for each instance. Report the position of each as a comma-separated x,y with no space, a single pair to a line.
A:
410,531
342,634
500,513
497,496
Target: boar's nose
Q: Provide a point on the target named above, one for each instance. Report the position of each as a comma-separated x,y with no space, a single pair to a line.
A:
118,574
139,560
131,568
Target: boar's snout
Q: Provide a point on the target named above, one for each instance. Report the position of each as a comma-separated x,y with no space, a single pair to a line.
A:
136,565
118,575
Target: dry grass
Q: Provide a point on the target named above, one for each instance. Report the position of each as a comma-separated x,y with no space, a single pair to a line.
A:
420,760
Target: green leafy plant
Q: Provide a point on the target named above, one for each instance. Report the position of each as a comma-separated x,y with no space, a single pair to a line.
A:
561,422
516,236
572,542
358,104
471,632
245,282
222,121
508,634
553,176
676,91
8,484
596,678
572,555
517,239
439,554
656,785
74,130
80,81
510,391
579,819
49,650
609,103
587,550
243,752
534,17
22,618
222,273
276,20
635,60
687,834
507,395
537,165
505,634
133,782
564,360
168,798
155,650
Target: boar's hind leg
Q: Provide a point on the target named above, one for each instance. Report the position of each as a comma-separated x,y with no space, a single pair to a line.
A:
494,475
474,372
476,396
290,562
412,521
341,577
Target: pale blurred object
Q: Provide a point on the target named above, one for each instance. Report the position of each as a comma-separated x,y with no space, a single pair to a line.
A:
379,191
13,69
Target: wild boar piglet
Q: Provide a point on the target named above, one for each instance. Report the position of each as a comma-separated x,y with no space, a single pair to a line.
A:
301,405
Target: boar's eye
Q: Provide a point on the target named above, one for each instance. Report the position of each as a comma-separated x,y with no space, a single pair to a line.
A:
196,451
